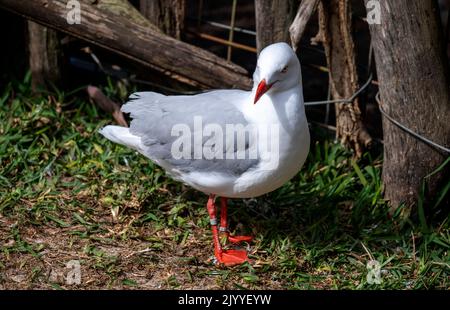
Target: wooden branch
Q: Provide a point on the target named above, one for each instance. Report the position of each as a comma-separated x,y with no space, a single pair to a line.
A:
122,8
298,26
178,60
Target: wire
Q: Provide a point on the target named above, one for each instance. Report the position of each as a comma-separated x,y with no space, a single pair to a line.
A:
406,129
349,100
227,27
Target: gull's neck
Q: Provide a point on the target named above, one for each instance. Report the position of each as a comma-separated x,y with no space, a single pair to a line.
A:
284,107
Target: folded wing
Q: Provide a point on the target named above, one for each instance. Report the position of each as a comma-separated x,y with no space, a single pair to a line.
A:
155,119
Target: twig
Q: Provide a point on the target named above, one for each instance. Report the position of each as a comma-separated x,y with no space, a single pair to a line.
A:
106,104
139,252
367,251
304,13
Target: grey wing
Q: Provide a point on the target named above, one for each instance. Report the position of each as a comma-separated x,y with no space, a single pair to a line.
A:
156,119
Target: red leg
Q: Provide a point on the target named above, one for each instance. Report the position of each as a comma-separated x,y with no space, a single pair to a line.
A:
227,257
223,215
224,224
211,206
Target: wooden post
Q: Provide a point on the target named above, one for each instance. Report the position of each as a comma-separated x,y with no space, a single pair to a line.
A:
44,55
336,36
273,18
167,15
414,86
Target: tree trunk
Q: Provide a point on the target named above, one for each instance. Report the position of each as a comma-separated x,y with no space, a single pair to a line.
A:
44,55
167,15
273,18
336,36
414,87
115,32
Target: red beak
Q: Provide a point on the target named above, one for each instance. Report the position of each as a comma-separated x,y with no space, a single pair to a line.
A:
261,90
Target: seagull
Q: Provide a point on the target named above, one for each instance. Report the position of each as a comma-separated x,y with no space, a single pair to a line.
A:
226,143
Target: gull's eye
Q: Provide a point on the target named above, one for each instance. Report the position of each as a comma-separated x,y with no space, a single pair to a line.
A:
284,70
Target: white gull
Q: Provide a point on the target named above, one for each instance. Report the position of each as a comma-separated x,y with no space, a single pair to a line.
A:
189,137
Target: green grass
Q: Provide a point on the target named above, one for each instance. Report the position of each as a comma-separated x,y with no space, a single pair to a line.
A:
67,193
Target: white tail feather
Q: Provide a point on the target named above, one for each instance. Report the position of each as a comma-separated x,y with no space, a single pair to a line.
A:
122,135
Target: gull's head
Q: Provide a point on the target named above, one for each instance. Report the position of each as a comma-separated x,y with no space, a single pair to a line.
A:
277,69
